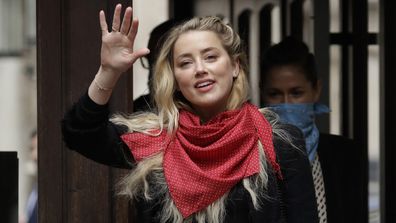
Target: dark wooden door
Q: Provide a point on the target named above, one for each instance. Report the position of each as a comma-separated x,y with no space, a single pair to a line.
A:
388,110
72,188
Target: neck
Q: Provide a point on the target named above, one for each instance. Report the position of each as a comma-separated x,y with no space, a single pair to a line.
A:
206,114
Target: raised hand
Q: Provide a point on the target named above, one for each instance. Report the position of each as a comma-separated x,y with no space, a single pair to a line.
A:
117,54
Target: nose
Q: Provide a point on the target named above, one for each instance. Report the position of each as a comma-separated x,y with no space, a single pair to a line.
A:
200,68
285,99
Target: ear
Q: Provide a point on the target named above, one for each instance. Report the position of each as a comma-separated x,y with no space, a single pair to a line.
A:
318,90
236,68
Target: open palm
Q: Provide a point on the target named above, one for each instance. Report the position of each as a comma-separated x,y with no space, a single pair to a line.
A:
117,54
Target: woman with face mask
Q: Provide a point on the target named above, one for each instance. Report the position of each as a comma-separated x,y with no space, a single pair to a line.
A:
204,154
292,89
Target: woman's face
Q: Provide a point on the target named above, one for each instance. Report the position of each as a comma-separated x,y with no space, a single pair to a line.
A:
287,84
204,72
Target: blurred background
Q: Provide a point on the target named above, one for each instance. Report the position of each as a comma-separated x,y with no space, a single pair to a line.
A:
260,22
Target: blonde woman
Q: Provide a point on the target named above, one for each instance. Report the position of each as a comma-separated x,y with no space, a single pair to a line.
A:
206,154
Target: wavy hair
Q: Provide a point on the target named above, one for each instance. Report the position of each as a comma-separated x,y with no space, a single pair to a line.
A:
146,180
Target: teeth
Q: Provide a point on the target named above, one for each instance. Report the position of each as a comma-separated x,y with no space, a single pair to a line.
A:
204,84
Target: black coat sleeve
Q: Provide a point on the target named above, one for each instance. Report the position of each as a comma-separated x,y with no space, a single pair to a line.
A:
87,130
297,187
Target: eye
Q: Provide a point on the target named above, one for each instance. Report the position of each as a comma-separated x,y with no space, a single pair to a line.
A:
211,57
273,94
297,93
184,63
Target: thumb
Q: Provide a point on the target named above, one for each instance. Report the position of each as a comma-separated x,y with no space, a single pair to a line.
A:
140,53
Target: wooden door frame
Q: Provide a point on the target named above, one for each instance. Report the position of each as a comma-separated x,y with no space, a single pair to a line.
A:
387,111
71,187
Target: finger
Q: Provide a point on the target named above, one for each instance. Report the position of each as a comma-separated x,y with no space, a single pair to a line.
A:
103,23
116,18
126,22
139,53
134,29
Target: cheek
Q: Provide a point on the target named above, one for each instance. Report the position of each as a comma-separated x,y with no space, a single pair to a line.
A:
181,81
310,97
307,98
272,100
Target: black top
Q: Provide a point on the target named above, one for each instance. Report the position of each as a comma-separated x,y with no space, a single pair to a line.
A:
86,129
344,168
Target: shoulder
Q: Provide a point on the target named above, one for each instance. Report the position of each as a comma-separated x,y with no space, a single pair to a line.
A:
336,142
335,138
286,136
289,146
341,150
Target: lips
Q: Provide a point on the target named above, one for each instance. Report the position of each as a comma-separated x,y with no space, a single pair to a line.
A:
204,83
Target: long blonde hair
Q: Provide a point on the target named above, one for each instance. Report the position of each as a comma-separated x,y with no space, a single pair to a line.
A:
168,102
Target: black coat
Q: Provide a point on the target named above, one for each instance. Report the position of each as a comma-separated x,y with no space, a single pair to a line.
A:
86,129
345,173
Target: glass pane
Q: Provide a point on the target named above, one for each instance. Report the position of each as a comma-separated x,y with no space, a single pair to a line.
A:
373,132
373,16
335,90
11,26
18,91
276,26
335,15
145,10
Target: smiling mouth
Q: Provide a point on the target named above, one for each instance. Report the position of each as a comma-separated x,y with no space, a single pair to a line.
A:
204,84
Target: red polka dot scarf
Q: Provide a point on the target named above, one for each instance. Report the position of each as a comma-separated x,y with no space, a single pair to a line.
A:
203,162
